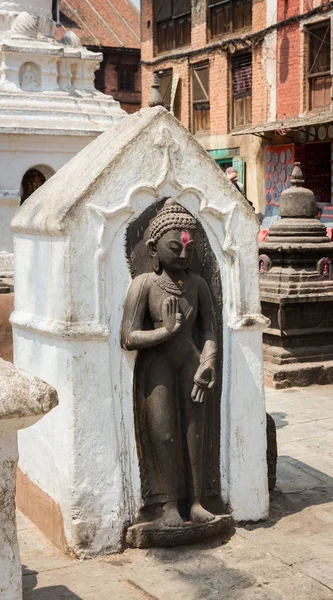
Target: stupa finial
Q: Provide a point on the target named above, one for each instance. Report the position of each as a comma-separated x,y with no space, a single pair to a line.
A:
297,179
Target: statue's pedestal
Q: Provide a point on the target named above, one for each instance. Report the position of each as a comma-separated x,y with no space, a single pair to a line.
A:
155,534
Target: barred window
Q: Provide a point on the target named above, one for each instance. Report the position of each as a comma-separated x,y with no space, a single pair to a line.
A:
126,79
241,90
173,24
227,16
319,71
200,99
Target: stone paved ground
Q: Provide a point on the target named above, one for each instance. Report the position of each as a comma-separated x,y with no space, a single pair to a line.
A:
288,557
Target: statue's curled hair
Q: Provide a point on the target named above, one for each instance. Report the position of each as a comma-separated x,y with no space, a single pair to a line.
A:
171,216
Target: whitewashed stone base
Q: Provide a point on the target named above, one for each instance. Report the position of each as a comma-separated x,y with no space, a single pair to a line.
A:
23,401
10,564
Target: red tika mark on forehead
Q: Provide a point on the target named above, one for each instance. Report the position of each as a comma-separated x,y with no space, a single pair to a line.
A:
185,237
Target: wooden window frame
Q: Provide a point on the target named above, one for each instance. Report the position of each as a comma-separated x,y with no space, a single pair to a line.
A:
174,26
161,74
313,77
213,6
129,69
202,103
244,95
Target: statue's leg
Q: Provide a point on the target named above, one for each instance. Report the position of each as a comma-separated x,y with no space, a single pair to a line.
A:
160,407
194,426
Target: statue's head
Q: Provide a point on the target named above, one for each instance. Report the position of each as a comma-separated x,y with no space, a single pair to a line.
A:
171,237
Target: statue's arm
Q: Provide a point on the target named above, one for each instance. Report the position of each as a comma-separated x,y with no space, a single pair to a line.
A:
208,320
133,336
205,375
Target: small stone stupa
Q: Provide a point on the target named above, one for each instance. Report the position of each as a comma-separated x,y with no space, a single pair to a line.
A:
49,107
296,283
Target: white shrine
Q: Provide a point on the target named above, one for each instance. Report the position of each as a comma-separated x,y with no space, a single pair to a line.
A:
79,473
49,107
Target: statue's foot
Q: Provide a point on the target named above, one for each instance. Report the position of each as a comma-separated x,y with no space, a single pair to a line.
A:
171,516
199,514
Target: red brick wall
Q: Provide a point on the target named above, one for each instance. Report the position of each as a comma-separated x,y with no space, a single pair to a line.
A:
289,71
259,88
218,93
259,15
218,62
129,100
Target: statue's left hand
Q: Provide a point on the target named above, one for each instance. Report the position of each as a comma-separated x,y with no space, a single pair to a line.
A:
204,380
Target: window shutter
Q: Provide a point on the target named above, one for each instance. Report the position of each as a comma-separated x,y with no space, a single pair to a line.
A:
320,49
163,10
200,85
165,88
239,164
242,75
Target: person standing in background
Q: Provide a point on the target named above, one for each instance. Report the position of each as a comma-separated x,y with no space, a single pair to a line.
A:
232,174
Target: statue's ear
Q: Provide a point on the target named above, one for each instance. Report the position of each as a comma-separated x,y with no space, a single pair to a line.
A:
152,247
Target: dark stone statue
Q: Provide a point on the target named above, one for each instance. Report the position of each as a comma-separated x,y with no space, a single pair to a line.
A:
272,452
175,373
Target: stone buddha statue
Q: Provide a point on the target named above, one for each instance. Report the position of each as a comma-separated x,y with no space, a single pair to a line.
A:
174,371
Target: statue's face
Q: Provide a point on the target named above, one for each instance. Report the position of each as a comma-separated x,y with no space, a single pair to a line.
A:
175,249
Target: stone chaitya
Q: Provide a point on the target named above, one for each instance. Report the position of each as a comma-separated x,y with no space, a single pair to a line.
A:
296,283
24,400
122,398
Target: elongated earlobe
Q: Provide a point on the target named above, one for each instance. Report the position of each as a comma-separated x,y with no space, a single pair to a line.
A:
156,263
154,256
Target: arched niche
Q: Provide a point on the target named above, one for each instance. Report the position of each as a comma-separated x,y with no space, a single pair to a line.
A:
30,77
33,178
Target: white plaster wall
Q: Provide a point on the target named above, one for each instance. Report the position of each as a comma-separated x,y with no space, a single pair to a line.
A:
34,7
72,323
18,153
39,300
269,53
271,12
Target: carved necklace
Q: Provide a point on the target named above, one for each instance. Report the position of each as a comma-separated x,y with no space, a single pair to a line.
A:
176,289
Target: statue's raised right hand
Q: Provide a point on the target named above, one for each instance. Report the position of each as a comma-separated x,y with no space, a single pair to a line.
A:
172,318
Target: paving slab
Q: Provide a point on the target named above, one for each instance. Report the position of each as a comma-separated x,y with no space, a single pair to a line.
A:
287,557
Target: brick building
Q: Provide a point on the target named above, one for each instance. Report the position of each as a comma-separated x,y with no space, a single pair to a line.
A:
113,28
301,123
244,76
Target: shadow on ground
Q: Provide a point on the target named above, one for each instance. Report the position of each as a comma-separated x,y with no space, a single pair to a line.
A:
202,576
280,419
52,592
290,496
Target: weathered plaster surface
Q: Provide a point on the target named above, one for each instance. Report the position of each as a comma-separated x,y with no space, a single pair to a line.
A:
23,398
67,318
10,565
